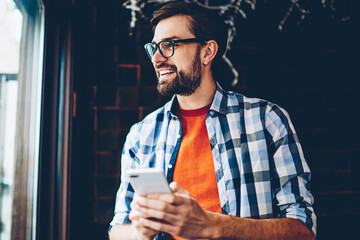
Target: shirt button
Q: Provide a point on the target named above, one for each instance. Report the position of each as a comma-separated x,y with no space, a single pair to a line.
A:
179,135
170,166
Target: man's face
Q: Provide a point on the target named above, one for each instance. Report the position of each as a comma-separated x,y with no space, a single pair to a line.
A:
181,73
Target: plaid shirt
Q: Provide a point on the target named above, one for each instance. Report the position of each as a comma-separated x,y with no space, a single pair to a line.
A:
260,167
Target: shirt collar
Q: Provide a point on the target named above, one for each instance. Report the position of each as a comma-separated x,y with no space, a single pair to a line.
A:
171,106
219,103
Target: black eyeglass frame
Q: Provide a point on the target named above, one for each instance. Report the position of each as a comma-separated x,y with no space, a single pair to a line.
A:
172,44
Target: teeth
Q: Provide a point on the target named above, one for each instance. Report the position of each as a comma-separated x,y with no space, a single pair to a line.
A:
165,72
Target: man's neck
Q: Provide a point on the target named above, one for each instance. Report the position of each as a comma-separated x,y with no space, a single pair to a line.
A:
203,95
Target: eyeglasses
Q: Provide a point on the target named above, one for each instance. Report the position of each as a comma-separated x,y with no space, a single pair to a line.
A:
166,47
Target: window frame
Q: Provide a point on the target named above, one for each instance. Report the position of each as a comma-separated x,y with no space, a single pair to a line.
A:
53,213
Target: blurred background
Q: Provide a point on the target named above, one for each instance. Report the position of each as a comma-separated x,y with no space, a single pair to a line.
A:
97,81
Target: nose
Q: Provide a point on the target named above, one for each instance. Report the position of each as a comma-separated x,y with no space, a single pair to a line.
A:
158,58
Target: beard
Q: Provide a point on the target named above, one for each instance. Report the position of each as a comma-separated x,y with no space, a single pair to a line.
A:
186,81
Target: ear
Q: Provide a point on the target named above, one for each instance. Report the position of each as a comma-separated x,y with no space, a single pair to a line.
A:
210,50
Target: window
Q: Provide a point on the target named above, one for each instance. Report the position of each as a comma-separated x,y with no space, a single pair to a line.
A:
21,50
10,29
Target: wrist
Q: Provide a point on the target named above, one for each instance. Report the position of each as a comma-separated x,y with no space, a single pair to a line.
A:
213,229
138,234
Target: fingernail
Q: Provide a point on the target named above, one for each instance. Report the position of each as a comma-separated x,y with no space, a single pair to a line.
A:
151,196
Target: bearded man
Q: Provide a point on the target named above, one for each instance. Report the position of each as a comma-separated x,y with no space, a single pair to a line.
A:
235,166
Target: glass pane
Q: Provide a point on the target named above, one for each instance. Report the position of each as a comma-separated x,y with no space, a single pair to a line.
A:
10,37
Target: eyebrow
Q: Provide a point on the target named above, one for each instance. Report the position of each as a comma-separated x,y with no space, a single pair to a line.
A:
168,38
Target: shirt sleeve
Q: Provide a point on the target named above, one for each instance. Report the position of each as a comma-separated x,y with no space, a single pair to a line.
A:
125,193
290,173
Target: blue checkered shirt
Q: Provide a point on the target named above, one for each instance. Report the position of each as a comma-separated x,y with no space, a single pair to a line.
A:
260,167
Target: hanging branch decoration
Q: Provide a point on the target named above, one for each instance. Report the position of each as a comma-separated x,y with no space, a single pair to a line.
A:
135,8
330,4
327,4
294,4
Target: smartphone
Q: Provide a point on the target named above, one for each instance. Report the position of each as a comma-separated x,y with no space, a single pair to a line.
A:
148,180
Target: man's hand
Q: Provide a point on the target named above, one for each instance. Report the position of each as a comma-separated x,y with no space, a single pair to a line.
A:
141,231
177,214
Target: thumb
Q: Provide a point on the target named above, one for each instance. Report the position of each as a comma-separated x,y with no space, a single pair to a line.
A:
176,188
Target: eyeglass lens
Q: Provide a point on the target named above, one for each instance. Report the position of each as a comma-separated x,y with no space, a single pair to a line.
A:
166,49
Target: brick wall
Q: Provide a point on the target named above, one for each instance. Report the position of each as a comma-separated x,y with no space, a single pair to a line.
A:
309,69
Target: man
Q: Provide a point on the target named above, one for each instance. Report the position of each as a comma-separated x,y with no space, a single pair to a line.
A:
235,165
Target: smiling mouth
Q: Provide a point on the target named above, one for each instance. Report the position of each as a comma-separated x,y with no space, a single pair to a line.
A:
165,74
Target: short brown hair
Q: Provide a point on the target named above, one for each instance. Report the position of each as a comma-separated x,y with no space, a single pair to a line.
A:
204,23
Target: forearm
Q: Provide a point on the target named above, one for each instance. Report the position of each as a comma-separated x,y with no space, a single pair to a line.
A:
229,227
119,232
125,231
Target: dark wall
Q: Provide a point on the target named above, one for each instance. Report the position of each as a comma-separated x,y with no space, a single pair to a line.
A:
310,69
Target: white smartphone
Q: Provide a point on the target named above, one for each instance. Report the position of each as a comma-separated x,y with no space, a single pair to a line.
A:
148,180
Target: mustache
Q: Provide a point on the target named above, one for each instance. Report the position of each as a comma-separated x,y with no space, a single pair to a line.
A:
165,65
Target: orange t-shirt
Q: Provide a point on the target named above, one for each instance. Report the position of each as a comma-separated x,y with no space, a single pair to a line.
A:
194,169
